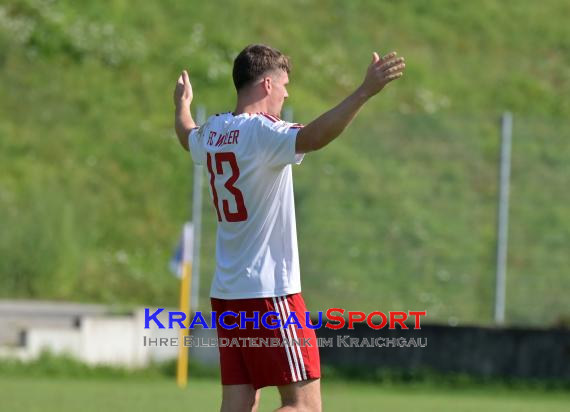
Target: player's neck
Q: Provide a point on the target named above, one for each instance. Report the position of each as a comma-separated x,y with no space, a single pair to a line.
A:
249,104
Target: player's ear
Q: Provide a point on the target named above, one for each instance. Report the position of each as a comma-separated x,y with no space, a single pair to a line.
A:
267,84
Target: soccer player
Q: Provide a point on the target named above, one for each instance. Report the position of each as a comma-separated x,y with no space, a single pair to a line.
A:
248,154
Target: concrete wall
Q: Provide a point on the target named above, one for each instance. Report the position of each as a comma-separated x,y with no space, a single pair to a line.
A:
487,352
86,332
112,341
58,341
19,315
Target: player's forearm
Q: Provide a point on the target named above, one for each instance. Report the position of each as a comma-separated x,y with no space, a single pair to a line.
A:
331,124
183,123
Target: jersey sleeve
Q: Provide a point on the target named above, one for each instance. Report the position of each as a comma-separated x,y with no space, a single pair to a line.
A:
196,146
276,140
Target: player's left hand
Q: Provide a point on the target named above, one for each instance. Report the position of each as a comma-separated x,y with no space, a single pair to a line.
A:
382,71
183,91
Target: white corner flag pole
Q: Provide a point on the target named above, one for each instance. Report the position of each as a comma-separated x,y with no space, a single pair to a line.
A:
503,220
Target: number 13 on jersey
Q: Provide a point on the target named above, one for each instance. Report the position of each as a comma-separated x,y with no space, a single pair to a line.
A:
220,158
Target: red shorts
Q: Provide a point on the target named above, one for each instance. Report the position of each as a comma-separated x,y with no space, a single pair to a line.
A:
284,355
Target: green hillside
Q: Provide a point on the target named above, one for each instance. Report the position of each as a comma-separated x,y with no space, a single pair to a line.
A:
398,214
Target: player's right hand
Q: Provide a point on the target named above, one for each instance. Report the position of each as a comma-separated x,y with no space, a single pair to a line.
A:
183,90
382,71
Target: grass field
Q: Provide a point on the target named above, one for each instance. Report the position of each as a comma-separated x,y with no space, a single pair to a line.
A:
65,395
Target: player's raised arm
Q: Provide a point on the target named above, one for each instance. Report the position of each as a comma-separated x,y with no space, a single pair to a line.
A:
183,121
329,125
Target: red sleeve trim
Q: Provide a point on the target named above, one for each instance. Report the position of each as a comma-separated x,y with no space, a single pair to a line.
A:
270,117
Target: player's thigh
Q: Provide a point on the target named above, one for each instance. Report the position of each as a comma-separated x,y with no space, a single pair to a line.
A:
239,398
303,396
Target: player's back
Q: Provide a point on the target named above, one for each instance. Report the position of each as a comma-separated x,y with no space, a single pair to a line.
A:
248,159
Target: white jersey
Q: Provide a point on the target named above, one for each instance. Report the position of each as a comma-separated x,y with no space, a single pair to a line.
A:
248,158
